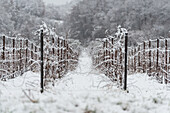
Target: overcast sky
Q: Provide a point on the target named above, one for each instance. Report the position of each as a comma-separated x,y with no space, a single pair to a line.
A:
56,2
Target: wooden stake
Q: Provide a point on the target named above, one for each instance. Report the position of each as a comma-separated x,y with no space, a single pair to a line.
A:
144,63
150,63
166,60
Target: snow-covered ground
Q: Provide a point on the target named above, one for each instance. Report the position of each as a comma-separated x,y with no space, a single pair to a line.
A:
84,91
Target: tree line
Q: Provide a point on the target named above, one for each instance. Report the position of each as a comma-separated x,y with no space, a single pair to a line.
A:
23,17
145,19
87,20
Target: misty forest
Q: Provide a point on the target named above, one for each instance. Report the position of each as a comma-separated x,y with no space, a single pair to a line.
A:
85,56
88,19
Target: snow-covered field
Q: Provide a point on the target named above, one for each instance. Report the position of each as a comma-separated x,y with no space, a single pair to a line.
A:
84,91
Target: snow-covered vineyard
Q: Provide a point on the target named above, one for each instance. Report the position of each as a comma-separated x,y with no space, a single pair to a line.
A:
84,56
89,80
84,90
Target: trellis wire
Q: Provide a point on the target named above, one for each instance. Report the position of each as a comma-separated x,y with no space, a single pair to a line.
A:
109,57
151,57
19,55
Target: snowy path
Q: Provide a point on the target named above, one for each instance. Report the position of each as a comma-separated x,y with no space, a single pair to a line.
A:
84,77
84,91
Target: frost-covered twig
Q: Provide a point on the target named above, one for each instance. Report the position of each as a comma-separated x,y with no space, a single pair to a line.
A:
31,99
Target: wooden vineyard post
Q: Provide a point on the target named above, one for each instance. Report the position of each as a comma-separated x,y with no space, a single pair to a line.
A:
42,70
126,50
3,54
20,66
53,54
32,57
106,54
139,58
103,53
66,63
166,61
112,53
13,58
169,57
67,55
109,58
144,67
116,64
157,59
104,59
58,44
112,58
26,55
150,63
35,55
64,55
134,64
154,61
